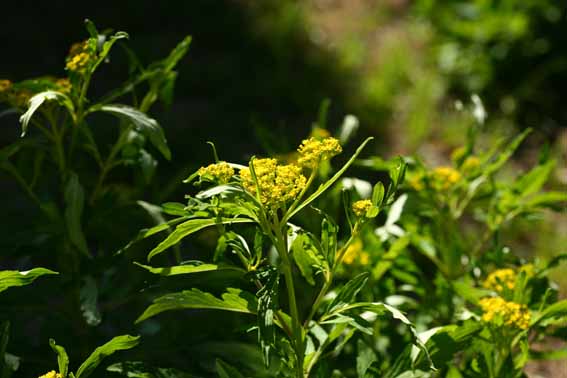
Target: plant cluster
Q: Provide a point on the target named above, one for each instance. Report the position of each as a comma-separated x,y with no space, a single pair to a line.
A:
326,275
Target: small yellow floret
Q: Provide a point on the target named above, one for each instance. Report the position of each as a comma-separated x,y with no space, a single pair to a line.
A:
278,183
221,172
500,279
361,207
470,164
79,62
352,252
5,85
445,177
312,151
64,85
51,374
497,310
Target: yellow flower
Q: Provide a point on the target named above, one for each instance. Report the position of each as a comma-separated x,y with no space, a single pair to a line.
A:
416,182
470,164
500,279
497,310
51,374
5,85
445,177
352,251
360,207
312,151
64,85
79,58
220,172
278,183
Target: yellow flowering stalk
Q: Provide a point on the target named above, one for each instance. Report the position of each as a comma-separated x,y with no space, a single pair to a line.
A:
312,151
361,207
498,311
500,279
51,374
79,58
278,184
445,177
220,172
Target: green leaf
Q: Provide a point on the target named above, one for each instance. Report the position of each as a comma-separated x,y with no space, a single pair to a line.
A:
176,54
74,201
378,194
4,337
389,257
142,122
532,181
556,310
190,227
267,306
10,278
364,358
348,292
323,187
36,101
106,46
136,369
62,358
226,371
306,257
122,342
89,305
234,300
507,152
188,269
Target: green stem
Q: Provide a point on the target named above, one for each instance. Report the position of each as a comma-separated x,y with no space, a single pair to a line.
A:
297,329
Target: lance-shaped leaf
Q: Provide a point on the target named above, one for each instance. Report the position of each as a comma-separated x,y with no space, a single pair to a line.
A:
233,299
556,310
36,101
142,122
190,227
267,307
74,201
347,294
9,278
123,342
62,358
188,269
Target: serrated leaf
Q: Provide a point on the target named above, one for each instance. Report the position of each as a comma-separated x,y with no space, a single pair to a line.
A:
122,342
190,227
144,124
11,278
234,300
74,203
62,358
188,269
36,101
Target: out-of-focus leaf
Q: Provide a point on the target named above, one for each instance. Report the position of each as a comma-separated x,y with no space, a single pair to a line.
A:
122,342
533,181
142,122
89,299
556,310
74,201
234,300
226,371
389,257
62,358
189,227
136,369
10,278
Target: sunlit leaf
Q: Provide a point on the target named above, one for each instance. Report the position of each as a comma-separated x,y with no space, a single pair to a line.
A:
62,358
122,342
11,278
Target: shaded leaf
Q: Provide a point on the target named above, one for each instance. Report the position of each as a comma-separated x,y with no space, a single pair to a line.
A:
74,201
226,371
62,358
122,342
36,101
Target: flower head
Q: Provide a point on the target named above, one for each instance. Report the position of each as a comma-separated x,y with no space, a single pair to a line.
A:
360,207
278,184
500,279
220,172
64,85
5,85
445,177
355,253
498,311
313,150
51,374
80,57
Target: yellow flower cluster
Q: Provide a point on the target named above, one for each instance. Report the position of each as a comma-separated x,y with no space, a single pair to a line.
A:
500,279
278,183
220,172
312,151
470,164
361,207
354,252
511,314
64,85
79,57
51,374
5,85
445,177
